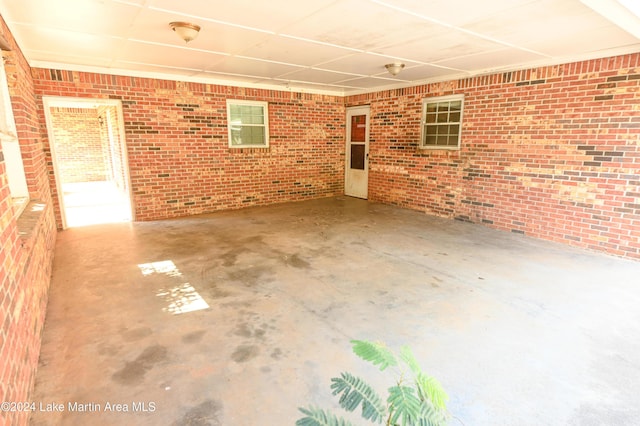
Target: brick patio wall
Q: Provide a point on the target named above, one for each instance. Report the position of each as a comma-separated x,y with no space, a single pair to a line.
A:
177,144
26,246
552,153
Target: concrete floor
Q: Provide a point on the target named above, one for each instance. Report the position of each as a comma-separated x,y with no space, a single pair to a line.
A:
239,318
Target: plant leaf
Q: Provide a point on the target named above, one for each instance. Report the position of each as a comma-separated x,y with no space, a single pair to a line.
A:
403,404
406,355
356,392
317,417
374,352
431,416
430,389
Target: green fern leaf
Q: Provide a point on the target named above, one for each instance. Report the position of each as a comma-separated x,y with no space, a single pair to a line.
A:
430,389
431,416
406,355
374,352
404,405
354,392
318,417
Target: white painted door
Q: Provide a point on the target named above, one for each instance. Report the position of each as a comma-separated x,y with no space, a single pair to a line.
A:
356,179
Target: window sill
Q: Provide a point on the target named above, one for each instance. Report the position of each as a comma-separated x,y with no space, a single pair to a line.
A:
19,204
439,148
28,220
249,150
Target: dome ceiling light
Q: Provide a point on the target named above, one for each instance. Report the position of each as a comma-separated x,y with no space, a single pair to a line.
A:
185,30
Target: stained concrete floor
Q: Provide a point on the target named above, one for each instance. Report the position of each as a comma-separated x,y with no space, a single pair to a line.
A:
239,318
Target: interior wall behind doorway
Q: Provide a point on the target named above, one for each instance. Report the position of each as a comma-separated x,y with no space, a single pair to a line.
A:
81,154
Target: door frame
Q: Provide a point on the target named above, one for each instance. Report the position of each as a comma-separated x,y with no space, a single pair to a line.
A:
71,102
352,111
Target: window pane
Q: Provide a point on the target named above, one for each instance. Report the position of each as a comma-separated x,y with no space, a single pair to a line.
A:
454,129
443,117
247,114
430,118
358,128
252,135
454,117
247,135
442,106
235,113
254,115
357,157
235,136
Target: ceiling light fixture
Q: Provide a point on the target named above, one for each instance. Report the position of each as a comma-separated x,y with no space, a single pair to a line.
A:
394,68
185,30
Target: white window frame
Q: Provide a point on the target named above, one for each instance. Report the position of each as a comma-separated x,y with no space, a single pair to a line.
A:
265,109
441,124
11,149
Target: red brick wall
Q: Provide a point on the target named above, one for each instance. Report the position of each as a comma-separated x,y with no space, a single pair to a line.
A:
179,159
82,154
552,153
26,247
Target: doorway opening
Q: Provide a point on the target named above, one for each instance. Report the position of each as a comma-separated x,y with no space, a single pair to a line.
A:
89,155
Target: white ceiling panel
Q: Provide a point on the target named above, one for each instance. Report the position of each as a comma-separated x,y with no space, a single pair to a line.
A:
48,40
494,60
362,25
370,82
423,72
583,40
454,13
362,63
248,67
316,75
153,68
140,52
48,59
294,51
520,25
327,46
133,2
288,85
449,43
230,79
268,15
75,16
